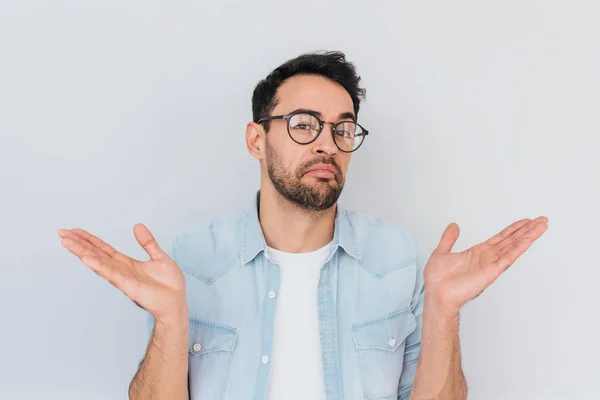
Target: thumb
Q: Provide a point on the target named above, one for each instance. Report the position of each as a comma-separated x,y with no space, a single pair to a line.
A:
448,239
147,241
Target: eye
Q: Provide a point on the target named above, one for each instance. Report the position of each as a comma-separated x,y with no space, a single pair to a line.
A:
304,123
344,133
303,126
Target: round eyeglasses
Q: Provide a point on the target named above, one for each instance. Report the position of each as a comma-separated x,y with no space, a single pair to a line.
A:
304,128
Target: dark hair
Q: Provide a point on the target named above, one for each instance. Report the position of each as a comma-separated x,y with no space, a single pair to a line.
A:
330,64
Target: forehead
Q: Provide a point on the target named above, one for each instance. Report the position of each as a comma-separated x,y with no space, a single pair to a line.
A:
313,92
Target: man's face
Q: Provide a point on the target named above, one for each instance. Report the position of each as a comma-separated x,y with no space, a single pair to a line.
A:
294,168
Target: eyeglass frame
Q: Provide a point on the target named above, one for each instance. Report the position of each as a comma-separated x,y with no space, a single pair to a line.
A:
287,117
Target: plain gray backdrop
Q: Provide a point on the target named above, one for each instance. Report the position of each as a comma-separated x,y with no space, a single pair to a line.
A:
118,112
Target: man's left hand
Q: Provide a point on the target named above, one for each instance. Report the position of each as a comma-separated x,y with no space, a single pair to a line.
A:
453,279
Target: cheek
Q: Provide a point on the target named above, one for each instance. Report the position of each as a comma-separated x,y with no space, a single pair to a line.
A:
289,159
277,150
296,159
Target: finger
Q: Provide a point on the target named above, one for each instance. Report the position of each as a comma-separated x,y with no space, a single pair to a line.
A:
93,263
106,271
148,242
95,241
506,232
512,253
102,245
77,248
448,239
67,234
95,259
517,235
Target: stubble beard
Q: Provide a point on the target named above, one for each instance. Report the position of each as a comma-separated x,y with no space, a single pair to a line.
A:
312,197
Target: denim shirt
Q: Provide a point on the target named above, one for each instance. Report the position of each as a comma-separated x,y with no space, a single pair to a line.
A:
370,304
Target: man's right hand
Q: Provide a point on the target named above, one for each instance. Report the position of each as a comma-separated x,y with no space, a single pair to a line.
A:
157,285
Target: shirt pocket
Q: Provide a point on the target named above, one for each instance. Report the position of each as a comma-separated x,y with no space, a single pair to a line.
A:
380,347
210,353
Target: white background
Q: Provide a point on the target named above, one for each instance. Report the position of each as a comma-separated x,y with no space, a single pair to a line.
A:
117,112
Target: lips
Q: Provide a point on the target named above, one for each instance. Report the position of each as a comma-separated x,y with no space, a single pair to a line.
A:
323,170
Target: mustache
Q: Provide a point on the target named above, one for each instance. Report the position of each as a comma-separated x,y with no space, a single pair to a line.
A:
321,160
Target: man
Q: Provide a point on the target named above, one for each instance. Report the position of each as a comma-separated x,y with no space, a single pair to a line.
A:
299,298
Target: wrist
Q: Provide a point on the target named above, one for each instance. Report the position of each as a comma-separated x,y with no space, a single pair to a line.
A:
178,317
437,305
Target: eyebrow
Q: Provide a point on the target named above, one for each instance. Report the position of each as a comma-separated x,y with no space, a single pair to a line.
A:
344,115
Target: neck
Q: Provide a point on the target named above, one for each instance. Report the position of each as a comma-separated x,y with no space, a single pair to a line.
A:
290,228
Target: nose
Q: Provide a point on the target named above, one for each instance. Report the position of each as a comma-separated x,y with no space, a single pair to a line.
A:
325,143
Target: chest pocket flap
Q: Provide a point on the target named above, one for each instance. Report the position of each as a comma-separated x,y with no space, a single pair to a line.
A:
385,333
207,337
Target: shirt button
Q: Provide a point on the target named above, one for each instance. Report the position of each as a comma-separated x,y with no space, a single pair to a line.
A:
197,347
392,342
264,359
272,294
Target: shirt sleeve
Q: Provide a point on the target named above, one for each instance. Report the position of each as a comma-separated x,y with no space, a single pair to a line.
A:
413,341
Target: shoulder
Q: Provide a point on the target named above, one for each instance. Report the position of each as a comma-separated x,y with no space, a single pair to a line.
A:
384,245
208,250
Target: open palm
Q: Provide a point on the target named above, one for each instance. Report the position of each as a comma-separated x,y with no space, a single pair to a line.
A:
460,277
157,285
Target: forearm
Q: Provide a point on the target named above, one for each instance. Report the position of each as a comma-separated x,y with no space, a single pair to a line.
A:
164,371
439,373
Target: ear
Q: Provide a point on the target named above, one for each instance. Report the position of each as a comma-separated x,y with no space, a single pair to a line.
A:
255,140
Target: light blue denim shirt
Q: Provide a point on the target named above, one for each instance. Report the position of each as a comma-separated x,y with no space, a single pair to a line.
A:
370,304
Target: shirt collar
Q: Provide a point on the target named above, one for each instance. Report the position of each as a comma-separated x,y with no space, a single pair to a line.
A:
253,239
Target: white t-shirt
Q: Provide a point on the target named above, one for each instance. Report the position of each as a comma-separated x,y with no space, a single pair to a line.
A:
296,371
